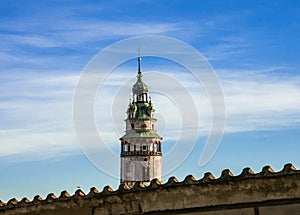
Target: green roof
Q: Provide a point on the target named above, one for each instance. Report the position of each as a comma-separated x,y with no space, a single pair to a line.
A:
152,134
143,110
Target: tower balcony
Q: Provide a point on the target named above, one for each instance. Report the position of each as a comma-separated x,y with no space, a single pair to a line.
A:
140,153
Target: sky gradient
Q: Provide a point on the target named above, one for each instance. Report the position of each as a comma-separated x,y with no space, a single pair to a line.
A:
253,46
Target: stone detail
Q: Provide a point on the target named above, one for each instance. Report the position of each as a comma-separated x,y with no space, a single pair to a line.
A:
51,197
11,203
140,198
37,198
64,195
107,190
247,172
123,188
24,202
155,183
226,175
93,192
138,186
288,168
190,179
172,181
208,176
267,171
79,193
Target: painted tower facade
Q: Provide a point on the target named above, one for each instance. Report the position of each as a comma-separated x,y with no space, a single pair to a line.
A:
141,157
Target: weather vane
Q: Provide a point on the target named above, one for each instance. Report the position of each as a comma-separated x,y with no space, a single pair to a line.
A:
139,51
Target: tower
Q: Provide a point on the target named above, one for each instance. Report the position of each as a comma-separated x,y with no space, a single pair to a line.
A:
141,157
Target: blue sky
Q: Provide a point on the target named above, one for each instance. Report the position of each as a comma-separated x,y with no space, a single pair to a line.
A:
253,47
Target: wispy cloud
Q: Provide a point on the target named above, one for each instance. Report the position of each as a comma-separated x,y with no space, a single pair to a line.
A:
261,101
37,104
36,113
36,109
69,33
33,46
255,99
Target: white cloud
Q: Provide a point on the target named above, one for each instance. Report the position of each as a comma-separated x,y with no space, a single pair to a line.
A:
261,101
36,113
36,141
255,100
36,109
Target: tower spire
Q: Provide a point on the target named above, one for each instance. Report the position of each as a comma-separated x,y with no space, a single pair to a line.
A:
140,89
139,60
139,65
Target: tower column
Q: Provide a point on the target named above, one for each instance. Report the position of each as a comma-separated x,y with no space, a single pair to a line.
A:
141,157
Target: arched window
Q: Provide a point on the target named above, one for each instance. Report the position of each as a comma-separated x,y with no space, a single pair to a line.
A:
125,146
122,147
144,147
159,146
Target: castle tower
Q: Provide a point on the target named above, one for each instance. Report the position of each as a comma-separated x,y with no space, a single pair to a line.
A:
141,157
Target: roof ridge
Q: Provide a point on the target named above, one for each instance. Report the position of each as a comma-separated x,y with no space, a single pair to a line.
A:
226,175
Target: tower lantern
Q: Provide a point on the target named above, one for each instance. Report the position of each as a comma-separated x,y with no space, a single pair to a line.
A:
141,157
